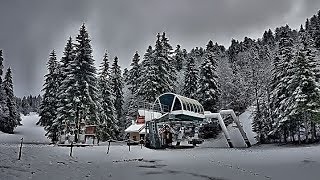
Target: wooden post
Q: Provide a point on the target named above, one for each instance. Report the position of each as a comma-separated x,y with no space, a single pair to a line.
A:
108,146
129,144
20,149
71,149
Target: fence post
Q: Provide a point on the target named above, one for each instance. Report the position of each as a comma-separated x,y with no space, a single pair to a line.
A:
108,146
71,149
20,149
129,144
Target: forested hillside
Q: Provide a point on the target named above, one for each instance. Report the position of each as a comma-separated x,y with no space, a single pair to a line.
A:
277,74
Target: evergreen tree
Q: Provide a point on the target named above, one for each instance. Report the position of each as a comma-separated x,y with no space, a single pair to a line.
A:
168,51
148,89
130,106
164,67
67,59
158,73
208,91
280,82
25,106
178,58
304,103
108,128
14,116
134,74
125,76
5,125
66,79
48,109
83,92
258,75
268,38
116,87
191,78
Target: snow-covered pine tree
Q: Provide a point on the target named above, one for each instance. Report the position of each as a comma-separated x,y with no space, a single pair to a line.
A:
166,60
4,111
134,74
178,58
14,115
225,77
233,51
84,93
67,59
197,53
25,106
130,106
268,38
125,75
304,103
66,79
281,77
131,103
48,108
116,87
148,81
191,78
164,70
258,75
108,128
208,91
313,29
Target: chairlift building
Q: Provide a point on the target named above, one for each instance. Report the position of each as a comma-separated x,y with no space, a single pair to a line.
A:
180,107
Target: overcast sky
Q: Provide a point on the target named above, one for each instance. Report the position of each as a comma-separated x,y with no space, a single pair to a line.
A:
30,29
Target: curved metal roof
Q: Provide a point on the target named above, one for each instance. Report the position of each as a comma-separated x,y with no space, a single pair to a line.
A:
176,102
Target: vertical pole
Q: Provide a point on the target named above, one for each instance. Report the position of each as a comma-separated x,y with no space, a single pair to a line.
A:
108,146
71,149
129,144
20,149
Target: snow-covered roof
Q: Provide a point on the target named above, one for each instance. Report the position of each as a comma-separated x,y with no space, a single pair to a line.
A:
169,102
135,128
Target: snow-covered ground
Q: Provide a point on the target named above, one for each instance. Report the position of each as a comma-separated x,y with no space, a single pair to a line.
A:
43,161
29,131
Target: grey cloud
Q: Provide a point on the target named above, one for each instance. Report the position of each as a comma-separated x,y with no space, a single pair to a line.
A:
31,29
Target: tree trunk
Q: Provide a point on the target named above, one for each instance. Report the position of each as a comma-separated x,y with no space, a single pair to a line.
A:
315,131
284,136
312,132
292,136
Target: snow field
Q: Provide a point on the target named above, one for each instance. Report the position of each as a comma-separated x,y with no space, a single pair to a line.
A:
207,162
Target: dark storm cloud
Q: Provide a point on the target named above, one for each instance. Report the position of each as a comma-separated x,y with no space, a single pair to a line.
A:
31,29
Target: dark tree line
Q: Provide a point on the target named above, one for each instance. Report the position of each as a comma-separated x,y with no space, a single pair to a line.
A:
28,104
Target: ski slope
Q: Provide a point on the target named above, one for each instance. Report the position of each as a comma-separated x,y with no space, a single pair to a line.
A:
43,161
29,131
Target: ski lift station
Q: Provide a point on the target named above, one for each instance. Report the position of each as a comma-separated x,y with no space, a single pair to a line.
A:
174,118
